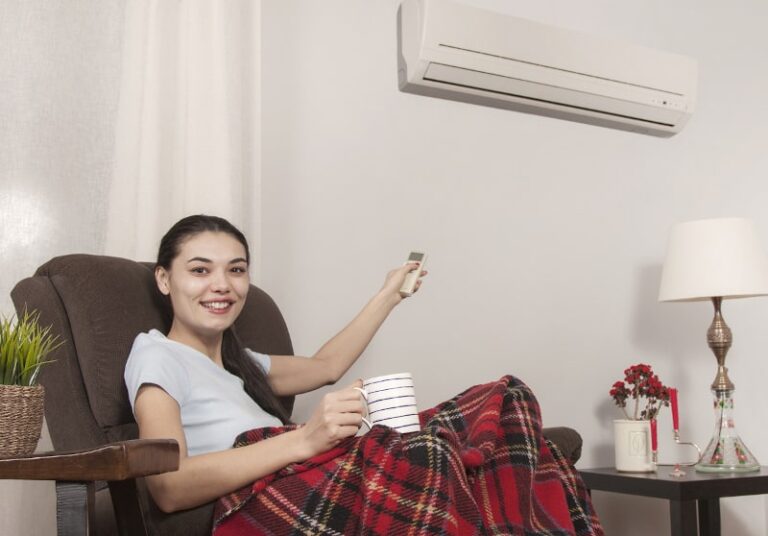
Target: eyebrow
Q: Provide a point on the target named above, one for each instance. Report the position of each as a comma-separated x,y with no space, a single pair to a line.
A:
203,259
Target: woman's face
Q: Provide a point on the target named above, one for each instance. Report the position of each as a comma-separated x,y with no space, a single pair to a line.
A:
207,283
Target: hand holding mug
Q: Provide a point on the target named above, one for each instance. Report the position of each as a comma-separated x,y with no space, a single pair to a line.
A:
338,416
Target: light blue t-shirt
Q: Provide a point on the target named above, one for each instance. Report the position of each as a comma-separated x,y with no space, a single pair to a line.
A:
214,406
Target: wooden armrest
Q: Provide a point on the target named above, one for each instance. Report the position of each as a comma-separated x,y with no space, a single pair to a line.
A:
114,461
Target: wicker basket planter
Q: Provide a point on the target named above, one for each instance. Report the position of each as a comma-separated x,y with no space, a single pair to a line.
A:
21,419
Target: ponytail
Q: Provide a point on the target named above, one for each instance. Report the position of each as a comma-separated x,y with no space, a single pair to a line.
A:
237,361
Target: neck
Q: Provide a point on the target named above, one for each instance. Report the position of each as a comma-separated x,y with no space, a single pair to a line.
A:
210,346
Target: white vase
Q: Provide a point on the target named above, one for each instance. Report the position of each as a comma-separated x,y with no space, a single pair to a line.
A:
632,440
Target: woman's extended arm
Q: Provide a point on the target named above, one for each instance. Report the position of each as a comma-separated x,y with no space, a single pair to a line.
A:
290,375
206,477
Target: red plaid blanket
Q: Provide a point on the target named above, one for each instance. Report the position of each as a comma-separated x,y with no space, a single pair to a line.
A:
480,465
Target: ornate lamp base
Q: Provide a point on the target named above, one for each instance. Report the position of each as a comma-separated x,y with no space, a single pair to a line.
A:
726,451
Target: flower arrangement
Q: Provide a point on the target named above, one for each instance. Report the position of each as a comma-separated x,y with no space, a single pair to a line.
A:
24,346
640,382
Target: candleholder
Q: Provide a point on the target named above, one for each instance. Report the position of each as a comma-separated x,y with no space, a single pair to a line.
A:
690,444
676,429
677,472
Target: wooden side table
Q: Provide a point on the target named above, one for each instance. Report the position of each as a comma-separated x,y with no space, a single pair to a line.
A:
693,497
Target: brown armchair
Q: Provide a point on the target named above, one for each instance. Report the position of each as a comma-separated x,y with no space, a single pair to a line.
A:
97,305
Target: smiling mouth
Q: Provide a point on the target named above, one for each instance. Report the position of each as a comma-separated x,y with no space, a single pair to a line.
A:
217,306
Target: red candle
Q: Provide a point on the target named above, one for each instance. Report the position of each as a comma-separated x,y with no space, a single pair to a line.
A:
654,436
675,414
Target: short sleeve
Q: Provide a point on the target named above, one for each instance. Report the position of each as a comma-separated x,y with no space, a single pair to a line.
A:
156,365
263,360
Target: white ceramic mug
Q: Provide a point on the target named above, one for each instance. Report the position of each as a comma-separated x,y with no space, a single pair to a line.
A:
633,446
391,401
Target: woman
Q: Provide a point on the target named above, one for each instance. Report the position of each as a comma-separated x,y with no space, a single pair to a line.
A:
479,465
199,387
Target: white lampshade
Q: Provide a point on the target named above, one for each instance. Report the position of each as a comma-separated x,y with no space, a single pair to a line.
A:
716,257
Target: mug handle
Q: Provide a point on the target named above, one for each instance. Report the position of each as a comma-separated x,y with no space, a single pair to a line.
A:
364,393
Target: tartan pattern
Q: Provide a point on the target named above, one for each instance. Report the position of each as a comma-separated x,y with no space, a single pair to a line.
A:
480,465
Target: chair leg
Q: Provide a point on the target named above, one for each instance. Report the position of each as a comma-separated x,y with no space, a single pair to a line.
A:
75,503
129,517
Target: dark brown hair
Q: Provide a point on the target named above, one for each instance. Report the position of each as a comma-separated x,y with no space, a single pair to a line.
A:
234,357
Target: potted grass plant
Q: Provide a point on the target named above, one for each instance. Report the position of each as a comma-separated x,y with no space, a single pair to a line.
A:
24,348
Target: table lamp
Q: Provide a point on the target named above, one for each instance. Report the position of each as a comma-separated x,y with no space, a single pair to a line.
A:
717,259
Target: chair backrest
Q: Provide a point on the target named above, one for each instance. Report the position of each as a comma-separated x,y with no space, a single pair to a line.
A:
97,305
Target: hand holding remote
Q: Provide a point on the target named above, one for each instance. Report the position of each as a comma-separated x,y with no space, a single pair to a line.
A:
409,285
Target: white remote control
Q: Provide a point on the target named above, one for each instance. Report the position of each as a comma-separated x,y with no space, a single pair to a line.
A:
409,285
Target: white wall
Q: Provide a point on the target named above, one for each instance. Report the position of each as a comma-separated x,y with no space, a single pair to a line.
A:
545,237
59,73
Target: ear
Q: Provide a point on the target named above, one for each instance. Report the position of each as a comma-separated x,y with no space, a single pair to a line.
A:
161,278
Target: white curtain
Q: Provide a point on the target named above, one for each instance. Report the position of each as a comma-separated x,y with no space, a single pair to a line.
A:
188,121
116,119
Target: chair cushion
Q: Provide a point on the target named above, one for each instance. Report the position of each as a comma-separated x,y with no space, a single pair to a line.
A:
108,301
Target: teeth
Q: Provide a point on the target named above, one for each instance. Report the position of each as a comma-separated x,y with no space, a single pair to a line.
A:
217,305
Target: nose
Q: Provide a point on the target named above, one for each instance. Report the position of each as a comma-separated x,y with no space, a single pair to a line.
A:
220,282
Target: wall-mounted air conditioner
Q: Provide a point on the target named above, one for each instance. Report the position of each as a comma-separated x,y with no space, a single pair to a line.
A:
458,52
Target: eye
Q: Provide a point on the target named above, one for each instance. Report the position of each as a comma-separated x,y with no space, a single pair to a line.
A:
239,270
199,270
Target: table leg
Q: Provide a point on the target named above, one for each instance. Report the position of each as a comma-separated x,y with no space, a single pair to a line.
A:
682,515
709,517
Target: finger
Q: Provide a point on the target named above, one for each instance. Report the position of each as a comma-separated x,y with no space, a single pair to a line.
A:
348,419
337,433
349,406
343,427
349,393
348,431
344,397
410,266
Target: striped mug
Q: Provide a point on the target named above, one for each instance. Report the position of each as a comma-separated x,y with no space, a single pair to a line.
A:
391,401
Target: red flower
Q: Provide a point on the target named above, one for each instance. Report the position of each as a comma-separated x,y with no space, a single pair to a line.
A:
640,382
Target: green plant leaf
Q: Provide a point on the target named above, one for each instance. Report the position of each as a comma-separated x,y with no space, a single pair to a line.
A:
24,346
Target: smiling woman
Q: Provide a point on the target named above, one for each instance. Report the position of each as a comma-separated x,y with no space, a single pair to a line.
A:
199,386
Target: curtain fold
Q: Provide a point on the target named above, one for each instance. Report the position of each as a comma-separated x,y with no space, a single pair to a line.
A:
187,138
